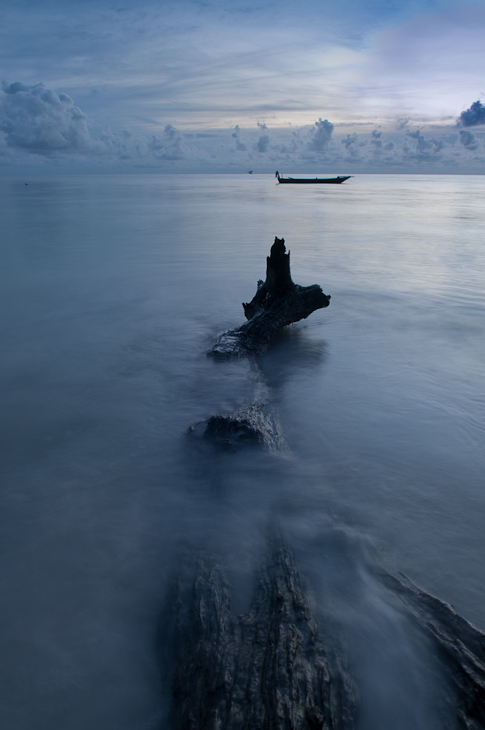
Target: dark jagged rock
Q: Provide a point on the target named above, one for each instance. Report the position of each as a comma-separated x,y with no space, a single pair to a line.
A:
278,302
459,646
266,669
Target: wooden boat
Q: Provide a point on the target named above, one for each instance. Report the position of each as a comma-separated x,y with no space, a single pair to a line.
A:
308,181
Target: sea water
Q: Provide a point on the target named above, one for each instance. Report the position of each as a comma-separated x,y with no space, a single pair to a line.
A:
112,290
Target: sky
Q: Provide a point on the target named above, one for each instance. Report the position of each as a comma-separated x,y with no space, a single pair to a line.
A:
312,86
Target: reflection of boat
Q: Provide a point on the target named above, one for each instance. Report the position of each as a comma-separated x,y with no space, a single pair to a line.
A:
308,180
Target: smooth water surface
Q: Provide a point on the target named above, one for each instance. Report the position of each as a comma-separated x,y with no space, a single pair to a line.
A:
112,290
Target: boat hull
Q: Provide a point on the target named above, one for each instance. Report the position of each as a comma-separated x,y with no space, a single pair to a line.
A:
316,180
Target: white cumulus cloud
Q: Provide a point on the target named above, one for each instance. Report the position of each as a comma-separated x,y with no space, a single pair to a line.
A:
170,146
321,134
240,146
38,120
263,141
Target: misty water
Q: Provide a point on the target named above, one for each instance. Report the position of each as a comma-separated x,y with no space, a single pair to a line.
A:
112,290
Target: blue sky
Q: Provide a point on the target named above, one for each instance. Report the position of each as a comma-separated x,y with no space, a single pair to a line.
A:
214,86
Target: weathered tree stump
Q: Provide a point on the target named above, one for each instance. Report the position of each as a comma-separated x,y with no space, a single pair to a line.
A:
278,302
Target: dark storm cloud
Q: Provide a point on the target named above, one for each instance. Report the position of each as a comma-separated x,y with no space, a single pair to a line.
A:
321,134
40,121
468,140
473,116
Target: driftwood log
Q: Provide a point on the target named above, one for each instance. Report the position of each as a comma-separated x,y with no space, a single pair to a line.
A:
254,424
266,669
272,668
277,303
459,647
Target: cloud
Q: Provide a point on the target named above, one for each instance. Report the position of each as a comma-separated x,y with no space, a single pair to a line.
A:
170,146
349,141
468,140
473,116
375,152
321,134
240,146
353,147
377,142
425,148
124,146
292,146
263,141
38,120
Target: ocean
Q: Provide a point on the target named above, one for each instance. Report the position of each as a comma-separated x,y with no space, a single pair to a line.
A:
113,289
